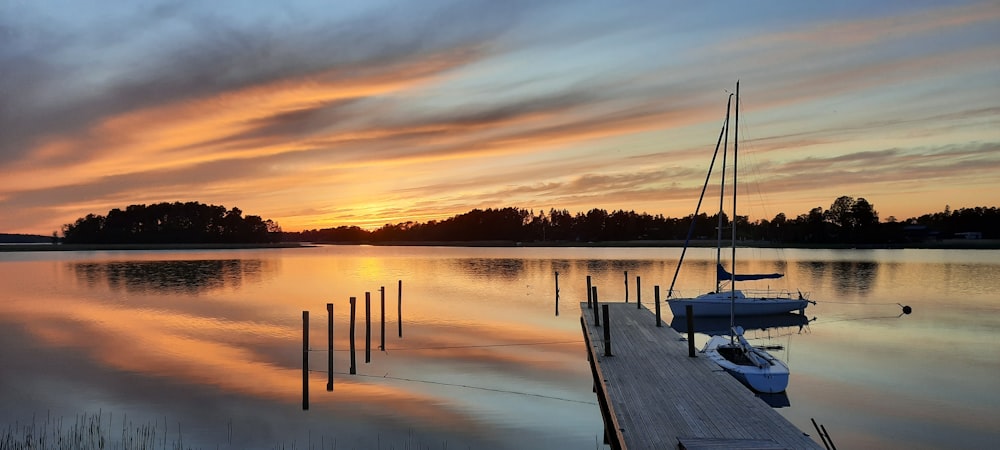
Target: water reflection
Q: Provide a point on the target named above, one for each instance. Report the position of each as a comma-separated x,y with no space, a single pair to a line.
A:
484,363
848,278
506,268
777,400
171,276
720,325
856,277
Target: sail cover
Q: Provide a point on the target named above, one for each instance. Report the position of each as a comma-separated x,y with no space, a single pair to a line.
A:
723,275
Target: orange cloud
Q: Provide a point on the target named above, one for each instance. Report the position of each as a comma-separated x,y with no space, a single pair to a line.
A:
182,134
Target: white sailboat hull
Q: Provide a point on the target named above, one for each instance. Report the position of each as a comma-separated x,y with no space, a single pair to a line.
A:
769,377
720,304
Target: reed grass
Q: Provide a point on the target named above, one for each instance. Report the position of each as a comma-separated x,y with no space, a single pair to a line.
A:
88,431
97,431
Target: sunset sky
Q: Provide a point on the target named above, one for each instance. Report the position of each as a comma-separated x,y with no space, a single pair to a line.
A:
318,114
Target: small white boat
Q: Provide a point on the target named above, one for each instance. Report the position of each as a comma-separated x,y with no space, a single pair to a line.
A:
750,365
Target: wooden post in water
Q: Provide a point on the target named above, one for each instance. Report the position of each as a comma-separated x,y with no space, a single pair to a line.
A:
381,334
597,311
399,308
638,292
656,297
305,360
590,298
557,293
626,286
354,366
368,327
329,346
607,330
689,310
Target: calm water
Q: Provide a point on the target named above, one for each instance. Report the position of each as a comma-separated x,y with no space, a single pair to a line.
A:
207,345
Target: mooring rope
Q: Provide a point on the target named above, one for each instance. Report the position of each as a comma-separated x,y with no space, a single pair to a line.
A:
485,345
441,383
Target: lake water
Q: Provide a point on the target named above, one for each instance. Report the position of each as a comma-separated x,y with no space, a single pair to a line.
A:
204,348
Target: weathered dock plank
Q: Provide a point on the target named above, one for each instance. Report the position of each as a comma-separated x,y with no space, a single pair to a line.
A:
658,397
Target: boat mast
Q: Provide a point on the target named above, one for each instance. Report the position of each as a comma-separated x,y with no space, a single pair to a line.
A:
722,196
732,273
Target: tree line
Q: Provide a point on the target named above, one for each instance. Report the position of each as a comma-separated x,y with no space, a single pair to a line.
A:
171,223
847,221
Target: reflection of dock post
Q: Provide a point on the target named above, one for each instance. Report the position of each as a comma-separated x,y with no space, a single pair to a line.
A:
638,292
597,312
656,298
305,360
590,298
689,309
557,293
354,368
368,327
381,334
399,308
329,346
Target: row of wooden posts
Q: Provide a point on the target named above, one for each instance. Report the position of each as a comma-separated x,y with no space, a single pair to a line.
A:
592,303
592,295
329,339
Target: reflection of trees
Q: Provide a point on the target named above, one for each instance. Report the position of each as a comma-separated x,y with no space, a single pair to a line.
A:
854,277
184,277
507,268
815,269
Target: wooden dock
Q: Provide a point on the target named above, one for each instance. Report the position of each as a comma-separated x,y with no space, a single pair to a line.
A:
654,396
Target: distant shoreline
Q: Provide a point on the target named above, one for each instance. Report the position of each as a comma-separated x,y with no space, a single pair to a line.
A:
956,244
133,247
953,244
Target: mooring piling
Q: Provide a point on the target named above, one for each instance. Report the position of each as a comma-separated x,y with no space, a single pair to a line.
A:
381,334
399,308
626,286
597,312
638,292
607,330
368,327
305,360
689,310
656,298
590,301
557,293
354,365
329,346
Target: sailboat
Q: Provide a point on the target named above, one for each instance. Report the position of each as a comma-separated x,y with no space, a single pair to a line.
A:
752,366
722,302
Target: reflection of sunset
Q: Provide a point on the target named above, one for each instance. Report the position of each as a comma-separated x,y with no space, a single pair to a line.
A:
200,350
483,356
227,339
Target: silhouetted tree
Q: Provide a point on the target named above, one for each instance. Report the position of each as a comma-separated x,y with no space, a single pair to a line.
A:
190,222
847,221
866,225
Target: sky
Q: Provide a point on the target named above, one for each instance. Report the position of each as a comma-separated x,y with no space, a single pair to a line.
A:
318,114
